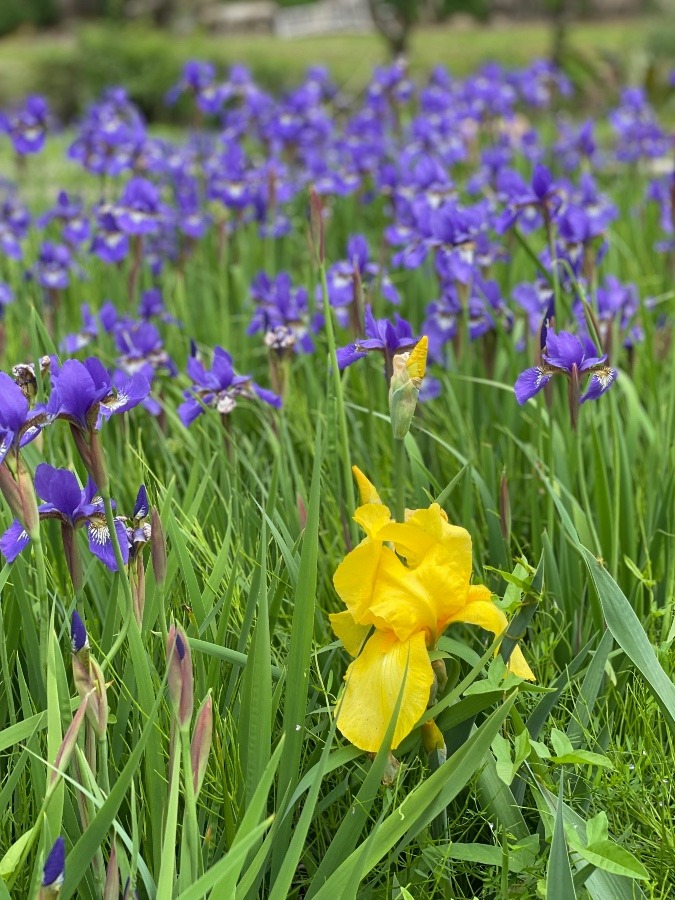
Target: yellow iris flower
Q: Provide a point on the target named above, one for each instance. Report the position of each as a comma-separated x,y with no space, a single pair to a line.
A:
397,610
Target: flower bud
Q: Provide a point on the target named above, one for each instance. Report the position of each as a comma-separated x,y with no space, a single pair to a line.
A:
158,547
201,742
404,389
432,737
90,685
79,639
67,747
111,890
30,516
54,870
180,678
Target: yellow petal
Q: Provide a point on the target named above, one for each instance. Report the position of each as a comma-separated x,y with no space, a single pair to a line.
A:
416,364
400,603
348,631
372,517
367,491
422,531
374,680
480,610
518,665
354,579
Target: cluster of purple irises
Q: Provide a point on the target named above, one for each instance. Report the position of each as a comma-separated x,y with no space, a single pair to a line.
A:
82,395
455,165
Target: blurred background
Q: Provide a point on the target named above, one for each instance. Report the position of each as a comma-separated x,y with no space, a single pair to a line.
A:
69,50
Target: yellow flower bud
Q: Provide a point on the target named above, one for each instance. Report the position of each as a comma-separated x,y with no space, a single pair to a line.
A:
404,389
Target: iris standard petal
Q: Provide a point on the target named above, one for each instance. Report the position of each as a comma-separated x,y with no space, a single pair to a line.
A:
372,517
367,490
354,578
400,602
374,681
422,530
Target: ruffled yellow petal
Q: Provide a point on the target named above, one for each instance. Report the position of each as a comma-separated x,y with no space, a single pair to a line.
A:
356,576
348,631
399,602
367,491
372,517
374,680
480,610
425,529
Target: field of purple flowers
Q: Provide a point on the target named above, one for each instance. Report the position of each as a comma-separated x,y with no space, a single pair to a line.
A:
336,456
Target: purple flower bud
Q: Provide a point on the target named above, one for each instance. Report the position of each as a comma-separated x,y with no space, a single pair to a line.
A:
180,676
78,633
55,865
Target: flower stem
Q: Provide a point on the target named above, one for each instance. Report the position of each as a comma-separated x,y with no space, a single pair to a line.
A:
190,823
43,599
339,400
399,480
127,612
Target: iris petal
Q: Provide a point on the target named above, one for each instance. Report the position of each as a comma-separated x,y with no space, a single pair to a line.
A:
374,681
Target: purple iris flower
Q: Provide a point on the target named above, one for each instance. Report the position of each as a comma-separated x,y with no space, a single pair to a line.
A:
69,212
109,243
14,225
139,210
382,335
6,297
572,356
535,299
356,274
638,132
198,79
139,530
526,204
83,394
281,312
73,507
219,388
76,341
27,127
112,135
54,870
52,267
19,424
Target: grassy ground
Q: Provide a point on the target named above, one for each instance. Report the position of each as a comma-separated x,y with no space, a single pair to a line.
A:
43,62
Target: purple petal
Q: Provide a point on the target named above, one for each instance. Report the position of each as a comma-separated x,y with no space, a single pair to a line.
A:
13,541
101,545
59,488
267,396
530,382
189,410
599,382
348,355
55,865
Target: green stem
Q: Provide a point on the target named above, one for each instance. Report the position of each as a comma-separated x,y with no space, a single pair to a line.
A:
104,778
43,599
399,480
339,400
128,611
190,822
